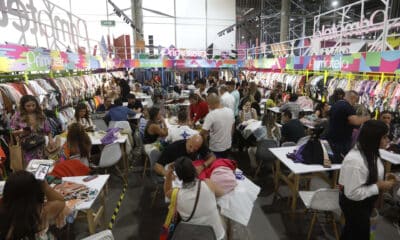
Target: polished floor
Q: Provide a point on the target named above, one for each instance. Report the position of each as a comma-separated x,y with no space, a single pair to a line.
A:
271,218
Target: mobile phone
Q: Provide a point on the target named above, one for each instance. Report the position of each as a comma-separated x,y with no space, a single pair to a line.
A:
89,178
42,171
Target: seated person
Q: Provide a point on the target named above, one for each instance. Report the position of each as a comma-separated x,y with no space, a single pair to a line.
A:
292,106
134,104
247,111
119,112
82,117
156,127
24,213
292,129
105,106
77,146
182,130
192,148
387,118
206,212
322,110
198,108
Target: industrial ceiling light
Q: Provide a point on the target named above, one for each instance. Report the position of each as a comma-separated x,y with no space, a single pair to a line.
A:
335,3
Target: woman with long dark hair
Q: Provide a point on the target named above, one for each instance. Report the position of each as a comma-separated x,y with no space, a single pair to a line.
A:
82,116
156,127
361,179
30,120
24,214
78,144
206,212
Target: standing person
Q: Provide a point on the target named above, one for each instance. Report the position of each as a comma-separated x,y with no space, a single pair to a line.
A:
292,106
198,108
119,112
125,88
361,180
31,121
24,213
254,92
218,125
201,88
227,100
82,117
337,95
236,95
342,120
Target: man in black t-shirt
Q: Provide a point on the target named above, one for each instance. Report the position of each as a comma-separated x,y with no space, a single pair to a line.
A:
192,148
342,120
134,104
292,129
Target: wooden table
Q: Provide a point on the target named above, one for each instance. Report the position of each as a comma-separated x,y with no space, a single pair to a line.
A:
93,217
298,169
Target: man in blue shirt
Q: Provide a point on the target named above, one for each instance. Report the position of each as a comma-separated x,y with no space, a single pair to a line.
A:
119,112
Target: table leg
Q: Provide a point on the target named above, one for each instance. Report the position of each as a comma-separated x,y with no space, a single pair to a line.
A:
277,174
335,178
388,167
90,219
125,159
103,202
295,191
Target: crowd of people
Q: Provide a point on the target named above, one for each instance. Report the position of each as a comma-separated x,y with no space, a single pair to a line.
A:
211,130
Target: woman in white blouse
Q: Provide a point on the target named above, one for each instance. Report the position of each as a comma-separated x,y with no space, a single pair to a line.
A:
82,116
206,211
361,179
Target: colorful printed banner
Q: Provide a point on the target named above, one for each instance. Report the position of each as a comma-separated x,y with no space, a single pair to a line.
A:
22,58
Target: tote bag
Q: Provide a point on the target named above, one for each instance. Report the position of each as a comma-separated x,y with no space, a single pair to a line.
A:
16,156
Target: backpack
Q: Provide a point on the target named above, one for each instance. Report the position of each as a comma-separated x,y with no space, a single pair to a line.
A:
314,151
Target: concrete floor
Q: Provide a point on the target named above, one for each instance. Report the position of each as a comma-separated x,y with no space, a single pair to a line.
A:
271,218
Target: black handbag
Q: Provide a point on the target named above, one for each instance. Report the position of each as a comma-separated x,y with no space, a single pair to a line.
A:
32,141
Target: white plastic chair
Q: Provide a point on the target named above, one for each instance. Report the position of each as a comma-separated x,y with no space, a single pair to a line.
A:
322,200
126,128
110,156
103,235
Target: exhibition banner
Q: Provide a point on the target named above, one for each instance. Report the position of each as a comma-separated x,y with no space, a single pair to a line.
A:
15,58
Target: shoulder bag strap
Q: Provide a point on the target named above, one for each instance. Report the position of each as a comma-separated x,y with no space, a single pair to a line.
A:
195,203
172,208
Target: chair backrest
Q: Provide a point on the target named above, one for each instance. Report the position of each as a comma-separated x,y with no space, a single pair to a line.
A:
100,124
122,124
303,140
263,152
325,199
104,235
110,155
288,144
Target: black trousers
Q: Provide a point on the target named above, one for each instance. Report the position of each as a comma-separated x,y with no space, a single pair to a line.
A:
357,215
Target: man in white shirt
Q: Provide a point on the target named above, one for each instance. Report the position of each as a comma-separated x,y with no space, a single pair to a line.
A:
182,130
218,125
236,95
227,100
